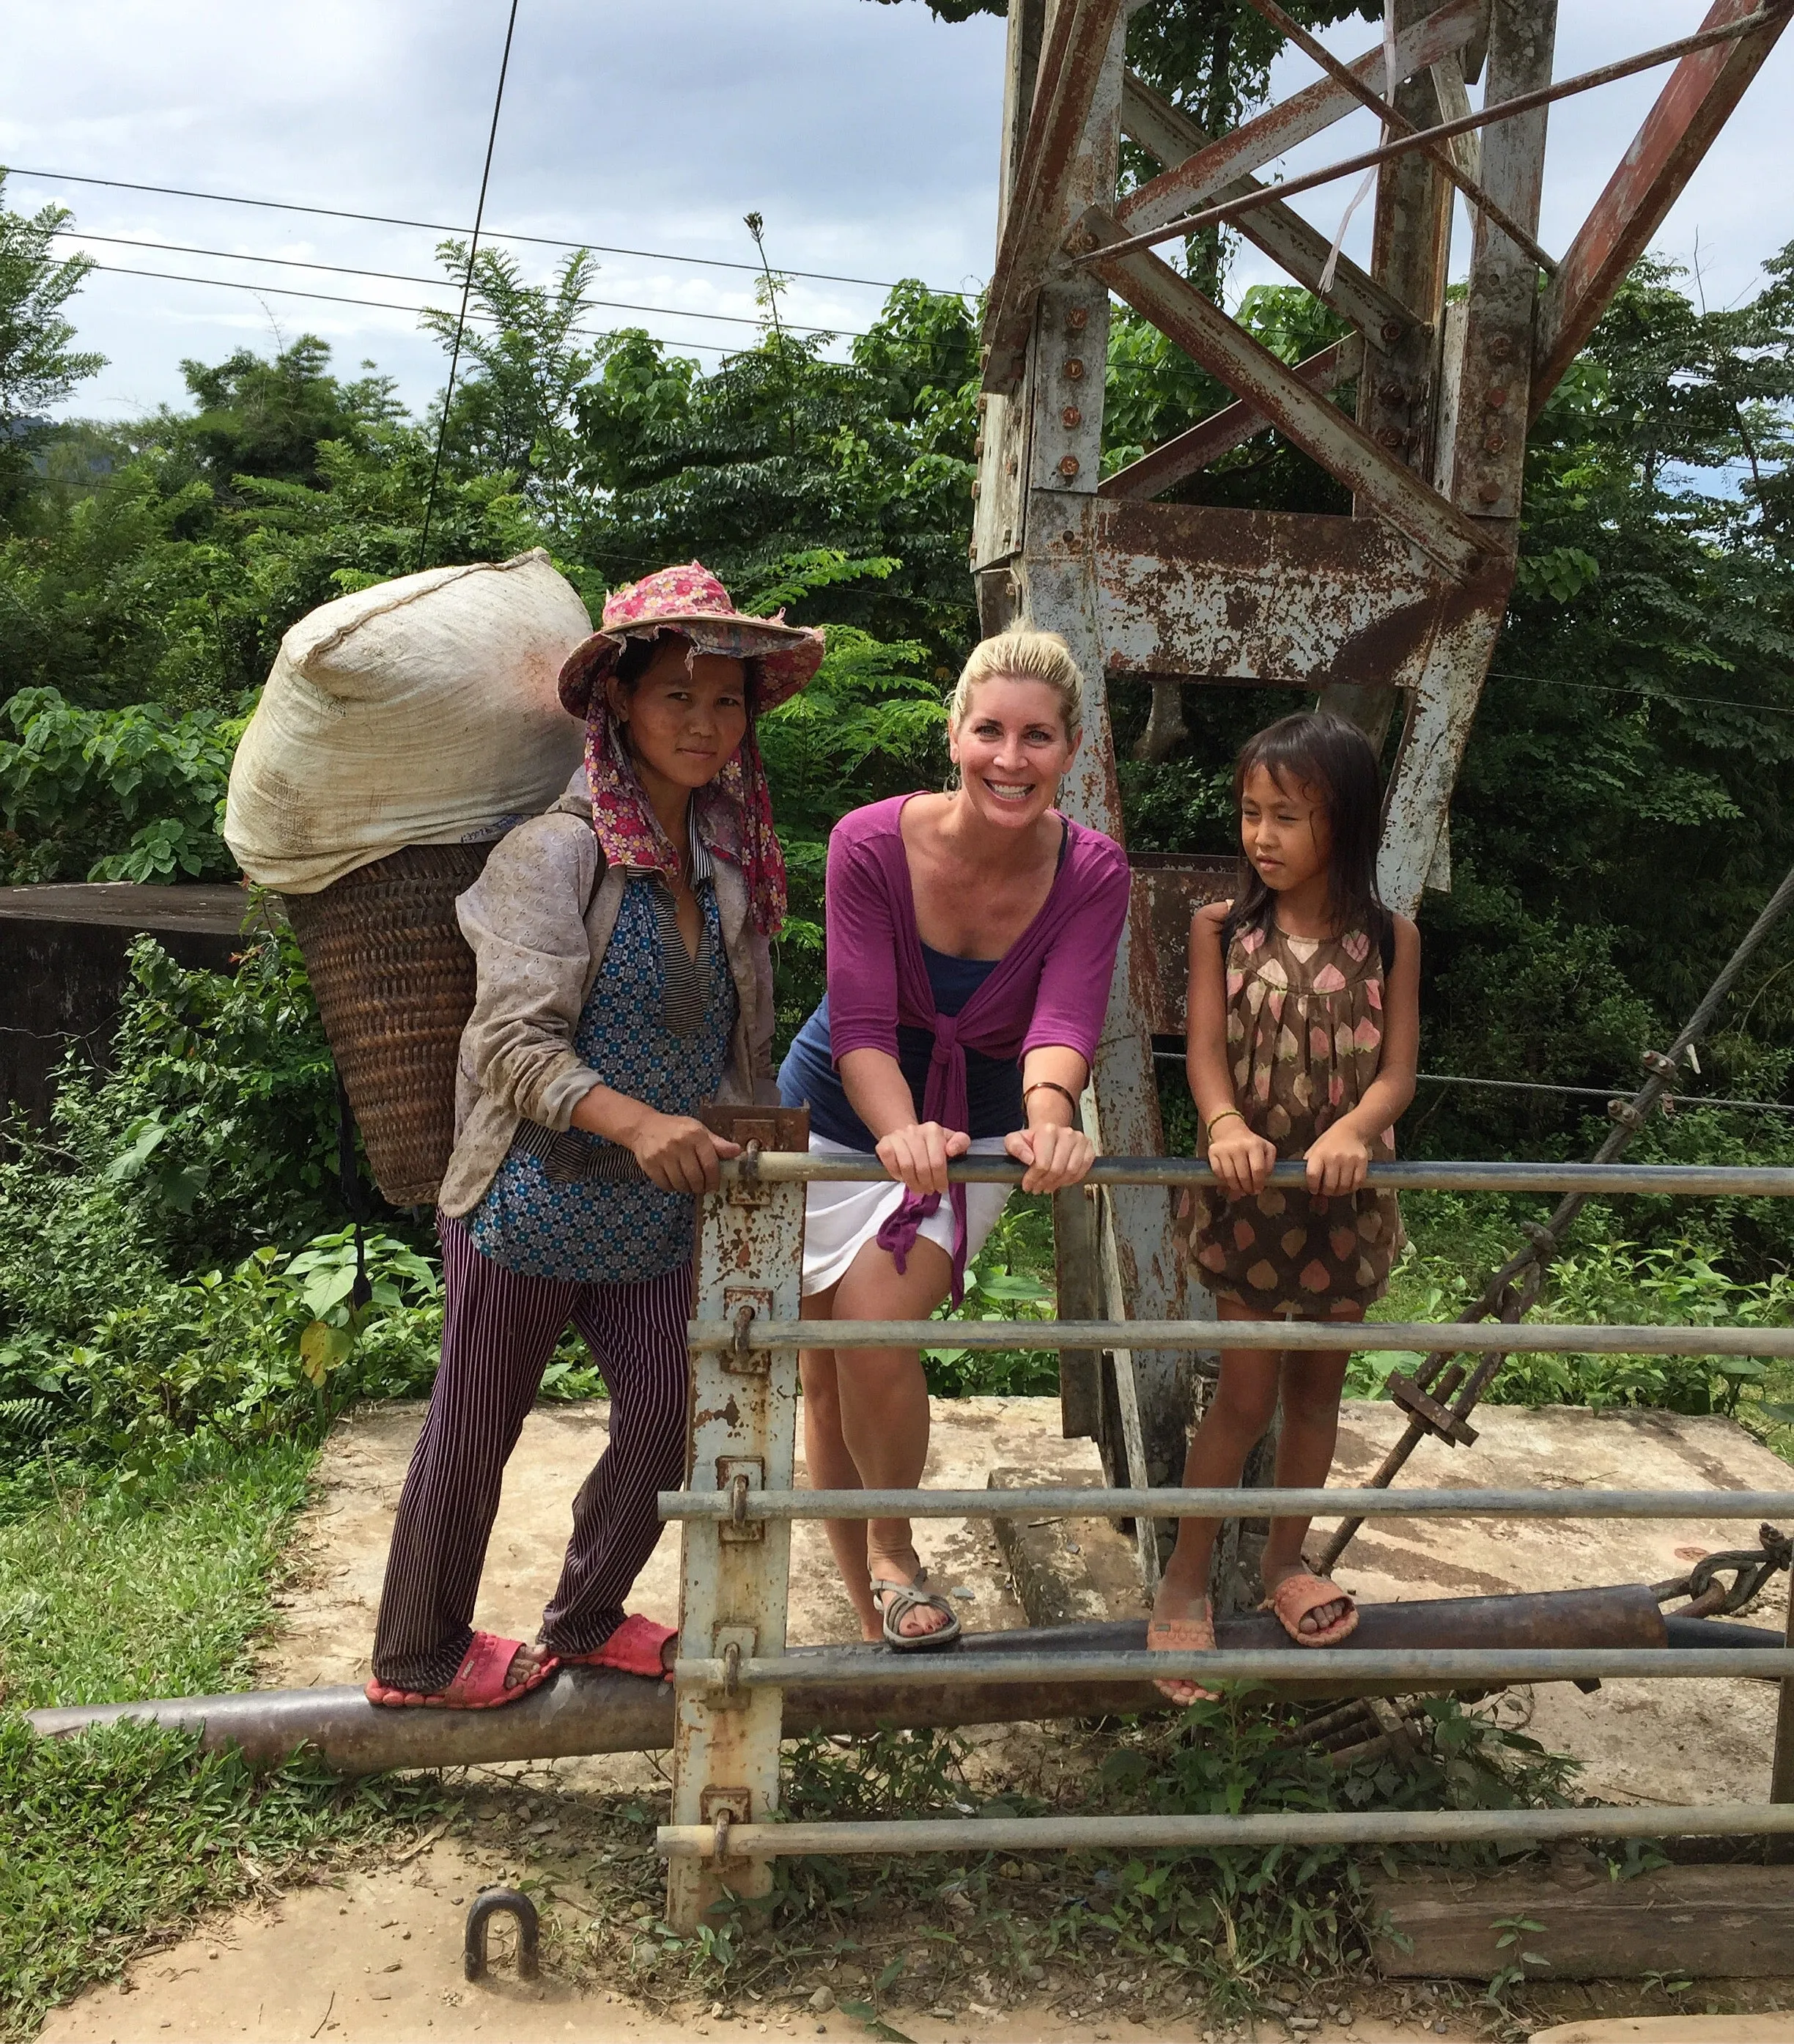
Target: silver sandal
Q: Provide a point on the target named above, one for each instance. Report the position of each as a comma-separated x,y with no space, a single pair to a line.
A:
896,1600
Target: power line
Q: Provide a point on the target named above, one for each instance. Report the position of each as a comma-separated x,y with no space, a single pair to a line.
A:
338,298
402,277
466,292
1673,699
437,227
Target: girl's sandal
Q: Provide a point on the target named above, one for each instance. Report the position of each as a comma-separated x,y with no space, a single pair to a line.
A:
478,1685
1296,1596
636,1647
896,1600
1183,1635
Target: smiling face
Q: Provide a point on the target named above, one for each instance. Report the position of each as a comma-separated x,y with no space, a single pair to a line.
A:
1012,749
682,725
1284,831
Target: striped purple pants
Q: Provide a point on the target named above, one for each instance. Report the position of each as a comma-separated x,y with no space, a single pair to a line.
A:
499,1329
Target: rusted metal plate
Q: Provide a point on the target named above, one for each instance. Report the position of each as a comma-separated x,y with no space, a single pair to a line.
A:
1692,109
741,1427
1082,40
1167,133
1156,291
1280,598
1281,128
1168,888
1221,431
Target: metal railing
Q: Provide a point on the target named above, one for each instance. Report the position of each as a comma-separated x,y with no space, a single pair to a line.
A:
739,1502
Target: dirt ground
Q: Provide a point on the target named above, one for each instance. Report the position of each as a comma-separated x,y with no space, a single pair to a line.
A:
378,1956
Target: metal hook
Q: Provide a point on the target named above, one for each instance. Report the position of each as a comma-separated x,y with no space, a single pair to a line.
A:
743,1320
480,1913
731,1672
738,1500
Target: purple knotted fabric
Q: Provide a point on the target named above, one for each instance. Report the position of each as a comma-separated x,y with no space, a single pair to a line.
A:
1051,987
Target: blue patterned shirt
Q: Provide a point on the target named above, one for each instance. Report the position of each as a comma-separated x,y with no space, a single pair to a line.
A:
656,1026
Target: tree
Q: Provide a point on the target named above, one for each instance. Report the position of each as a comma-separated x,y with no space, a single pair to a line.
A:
269,419
38,365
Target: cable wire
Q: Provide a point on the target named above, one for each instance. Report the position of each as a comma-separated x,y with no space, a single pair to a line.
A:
437,227
339,298
399,277
466,289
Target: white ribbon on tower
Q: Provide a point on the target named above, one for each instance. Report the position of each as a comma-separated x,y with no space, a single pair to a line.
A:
1368,181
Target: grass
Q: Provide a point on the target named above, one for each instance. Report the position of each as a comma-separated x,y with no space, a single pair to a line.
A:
116,1840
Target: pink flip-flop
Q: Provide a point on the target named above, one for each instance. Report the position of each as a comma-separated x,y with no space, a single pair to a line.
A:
1183,1635
478,1685
1296,1596
636,1647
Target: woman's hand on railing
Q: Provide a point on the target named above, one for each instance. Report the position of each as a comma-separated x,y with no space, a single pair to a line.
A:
918,1154
1055,1157
679,1154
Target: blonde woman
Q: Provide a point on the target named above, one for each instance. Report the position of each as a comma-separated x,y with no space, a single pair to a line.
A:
971,937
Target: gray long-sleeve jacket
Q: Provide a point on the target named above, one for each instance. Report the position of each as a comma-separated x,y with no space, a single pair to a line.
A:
539,919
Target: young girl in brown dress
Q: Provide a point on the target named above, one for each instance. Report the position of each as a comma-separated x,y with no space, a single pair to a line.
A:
1304,1031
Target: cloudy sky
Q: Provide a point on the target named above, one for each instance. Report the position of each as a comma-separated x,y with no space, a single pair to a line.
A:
865,134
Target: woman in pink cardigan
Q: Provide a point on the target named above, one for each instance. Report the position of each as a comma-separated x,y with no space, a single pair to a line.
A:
971,938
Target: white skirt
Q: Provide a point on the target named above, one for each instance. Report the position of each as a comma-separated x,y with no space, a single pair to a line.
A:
839,1219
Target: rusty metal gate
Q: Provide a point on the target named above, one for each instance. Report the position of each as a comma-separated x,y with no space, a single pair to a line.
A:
736,1513
1396,607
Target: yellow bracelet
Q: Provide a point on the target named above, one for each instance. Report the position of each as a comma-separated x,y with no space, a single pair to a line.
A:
1209,1126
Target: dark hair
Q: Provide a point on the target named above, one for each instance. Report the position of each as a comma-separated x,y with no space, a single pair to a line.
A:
1314,750
639,653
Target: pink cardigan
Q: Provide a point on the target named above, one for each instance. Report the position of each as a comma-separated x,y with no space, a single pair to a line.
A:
1051,987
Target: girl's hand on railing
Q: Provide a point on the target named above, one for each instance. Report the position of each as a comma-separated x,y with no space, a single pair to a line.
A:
1241,1161
678,1153
919,1153
1337,1160
1055,1157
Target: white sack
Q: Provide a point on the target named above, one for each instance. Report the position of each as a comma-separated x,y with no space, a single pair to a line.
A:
421,711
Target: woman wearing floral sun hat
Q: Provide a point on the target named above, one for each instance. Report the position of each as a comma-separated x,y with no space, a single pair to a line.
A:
624,980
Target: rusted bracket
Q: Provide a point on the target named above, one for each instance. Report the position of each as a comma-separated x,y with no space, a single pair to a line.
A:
1321,430
492,1902
1421,1405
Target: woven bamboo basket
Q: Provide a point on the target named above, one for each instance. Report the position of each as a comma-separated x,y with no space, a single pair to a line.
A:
395,982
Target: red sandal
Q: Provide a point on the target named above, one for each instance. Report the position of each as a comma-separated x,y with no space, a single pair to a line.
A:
636,1647
478,1685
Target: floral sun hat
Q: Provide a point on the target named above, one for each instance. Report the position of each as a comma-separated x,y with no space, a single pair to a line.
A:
694,603
737,807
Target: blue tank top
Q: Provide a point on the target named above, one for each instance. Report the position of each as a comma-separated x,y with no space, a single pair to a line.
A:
993,1085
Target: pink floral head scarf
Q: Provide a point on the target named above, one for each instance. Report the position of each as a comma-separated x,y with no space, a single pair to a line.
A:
734,811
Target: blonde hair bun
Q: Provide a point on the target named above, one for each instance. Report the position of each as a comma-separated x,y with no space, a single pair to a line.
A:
1023,655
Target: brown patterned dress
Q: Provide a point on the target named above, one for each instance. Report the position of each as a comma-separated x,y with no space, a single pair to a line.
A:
1304,1040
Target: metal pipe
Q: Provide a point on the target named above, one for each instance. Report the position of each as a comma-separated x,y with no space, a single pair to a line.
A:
1066,1501
1536,1338
1671,1181
586,1710
1523,102
1420,1668
1395,122
1781,1765
1304,1828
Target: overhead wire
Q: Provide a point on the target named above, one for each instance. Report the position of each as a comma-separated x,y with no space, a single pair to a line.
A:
339,298
438,226
466,289
397,277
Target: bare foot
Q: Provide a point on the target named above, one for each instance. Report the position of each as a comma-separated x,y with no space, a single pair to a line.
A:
524,1664
1323,1615
1181,1623
905,1566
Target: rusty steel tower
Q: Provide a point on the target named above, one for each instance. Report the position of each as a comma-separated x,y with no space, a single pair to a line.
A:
1395,608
